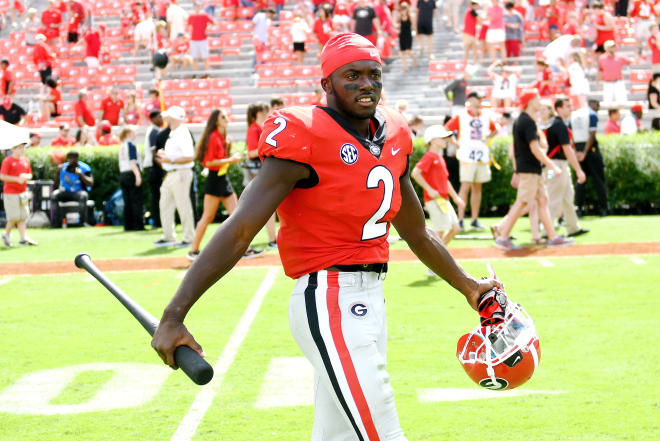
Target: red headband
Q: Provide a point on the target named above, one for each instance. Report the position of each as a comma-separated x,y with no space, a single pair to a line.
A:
346,48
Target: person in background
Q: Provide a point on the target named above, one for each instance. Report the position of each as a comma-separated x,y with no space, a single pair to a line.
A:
276,103
50,102
505,84
63,139
610,73
130,180
73,180
416,124
256,116
177,18
406,24
455,92
43,58
323,26
177,160
7,82
613,126
579,83
15,171
31,26
214,152
432,175
632,122
84,116
561,196
131,110
426,12
11,112
654,46
365,21
584,124
179,53
262,22
653,97
51,18
151,167
93,43
529,150
112,107
35,140
197,22
470,21
85,137
152,103
107,138
299,30
496,35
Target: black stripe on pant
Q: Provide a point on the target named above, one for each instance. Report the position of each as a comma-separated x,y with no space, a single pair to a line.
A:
313,320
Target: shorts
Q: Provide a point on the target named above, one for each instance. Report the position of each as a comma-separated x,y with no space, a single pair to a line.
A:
299,46
512,48
92,62
199,49
72,37
443,217
531,187
219,186
45,74
425,28
16,206
477,172
495,36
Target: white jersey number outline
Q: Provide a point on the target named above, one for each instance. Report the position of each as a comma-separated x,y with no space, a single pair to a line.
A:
281,123
373,229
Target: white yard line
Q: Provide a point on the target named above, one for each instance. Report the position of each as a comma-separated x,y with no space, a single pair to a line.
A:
638,261
546,263
204,398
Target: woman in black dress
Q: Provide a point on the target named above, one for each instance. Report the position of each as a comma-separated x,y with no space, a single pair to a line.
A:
405,36
653,95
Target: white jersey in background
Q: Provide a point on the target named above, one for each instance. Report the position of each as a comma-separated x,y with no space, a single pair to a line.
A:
472,133
580,125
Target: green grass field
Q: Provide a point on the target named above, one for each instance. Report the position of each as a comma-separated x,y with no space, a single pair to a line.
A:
597,318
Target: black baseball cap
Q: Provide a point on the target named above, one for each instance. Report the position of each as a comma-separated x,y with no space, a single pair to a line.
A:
475,94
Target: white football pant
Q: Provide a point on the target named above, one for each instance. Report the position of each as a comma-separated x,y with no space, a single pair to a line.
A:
338,320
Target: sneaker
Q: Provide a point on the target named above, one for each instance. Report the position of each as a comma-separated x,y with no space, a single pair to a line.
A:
164,243
192,255
579,232
559,241
476,225
27,242
251,252
182,244
6,240
461,226
506,245
271,246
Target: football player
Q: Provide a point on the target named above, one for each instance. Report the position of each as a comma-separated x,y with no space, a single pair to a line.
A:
338,176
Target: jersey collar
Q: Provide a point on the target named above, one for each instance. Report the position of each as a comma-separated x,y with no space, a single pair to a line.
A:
378,122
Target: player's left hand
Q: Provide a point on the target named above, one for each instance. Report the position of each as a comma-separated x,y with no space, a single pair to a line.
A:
483,286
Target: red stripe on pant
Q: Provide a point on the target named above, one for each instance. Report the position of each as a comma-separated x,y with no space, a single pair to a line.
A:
334,313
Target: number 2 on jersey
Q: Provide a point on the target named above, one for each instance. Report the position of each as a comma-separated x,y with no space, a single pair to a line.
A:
281,123
373,228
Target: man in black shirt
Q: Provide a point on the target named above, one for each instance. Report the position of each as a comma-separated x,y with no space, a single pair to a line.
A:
10,111
455,92
365,21
529,154
561,153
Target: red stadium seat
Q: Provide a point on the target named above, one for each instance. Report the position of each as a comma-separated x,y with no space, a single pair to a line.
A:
223,101
245,13
220,83
640,76
231,44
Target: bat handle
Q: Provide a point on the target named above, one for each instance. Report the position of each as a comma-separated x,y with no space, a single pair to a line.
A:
193,365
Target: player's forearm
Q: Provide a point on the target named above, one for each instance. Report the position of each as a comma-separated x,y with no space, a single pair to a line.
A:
569,152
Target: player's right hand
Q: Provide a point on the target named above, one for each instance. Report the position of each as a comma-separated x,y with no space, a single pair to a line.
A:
168,336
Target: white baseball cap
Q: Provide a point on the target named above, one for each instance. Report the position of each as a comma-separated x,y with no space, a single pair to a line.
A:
175,112
13,136
436,131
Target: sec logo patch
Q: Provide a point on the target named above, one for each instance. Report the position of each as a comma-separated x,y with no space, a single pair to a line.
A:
348,154
359,310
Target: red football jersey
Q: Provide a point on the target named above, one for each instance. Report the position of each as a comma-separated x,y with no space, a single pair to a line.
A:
342,214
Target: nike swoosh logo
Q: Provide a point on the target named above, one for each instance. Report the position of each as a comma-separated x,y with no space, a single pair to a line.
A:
394,152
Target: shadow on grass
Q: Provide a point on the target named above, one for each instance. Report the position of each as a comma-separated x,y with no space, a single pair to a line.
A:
426,282
157,251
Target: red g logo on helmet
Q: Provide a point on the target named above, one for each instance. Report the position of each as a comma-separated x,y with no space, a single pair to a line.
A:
503,356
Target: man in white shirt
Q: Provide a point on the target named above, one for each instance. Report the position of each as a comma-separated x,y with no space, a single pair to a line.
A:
631,123
177,18
177,160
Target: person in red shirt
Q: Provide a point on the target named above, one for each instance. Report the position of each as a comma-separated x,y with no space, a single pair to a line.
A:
93,44
112,107
75,21
179,52
654,46
213,151
50,103
604,27
432,175
610,73
107,138
15,171
51,18
613,124
153,102
43,58
7,83
553,19
543,78
358,150
323,27
198,21
63,139
470,21
84,116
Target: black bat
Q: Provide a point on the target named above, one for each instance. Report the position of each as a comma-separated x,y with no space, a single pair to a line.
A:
186,358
